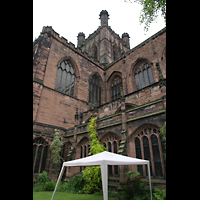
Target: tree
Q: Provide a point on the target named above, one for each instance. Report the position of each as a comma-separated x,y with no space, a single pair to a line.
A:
55,147
149,13
92,175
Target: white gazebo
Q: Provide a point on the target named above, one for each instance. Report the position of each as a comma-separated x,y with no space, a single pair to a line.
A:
104,159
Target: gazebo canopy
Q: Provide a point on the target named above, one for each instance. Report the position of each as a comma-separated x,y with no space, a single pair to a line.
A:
104,159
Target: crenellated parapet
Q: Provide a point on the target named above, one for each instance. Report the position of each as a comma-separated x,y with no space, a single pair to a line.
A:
48,30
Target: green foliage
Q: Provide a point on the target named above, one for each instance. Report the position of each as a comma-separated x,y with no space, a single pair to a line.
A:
112,193
134,189
163,135
159,194
95,147
44,184
63,187
38,187
56,147
149,13
76,184
42,177
40,183
92,175
163,131
50,186
132,175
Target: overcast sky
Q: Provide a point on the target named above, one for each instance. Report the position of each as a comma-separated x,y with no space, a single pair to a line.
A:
69,17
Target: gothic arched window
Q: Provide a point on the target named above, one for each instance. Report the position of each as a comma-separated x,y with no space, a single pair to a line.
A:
94,90
84,149
66,78
138,154
148,146
143,75
40,152
111,142
115,88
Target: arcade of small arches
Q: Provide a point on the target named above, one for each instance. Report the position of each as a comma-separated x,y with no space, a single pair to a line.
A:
144,143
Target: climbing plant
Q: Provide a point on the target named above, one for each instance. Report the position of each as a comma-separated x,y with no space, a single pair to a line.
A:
92,175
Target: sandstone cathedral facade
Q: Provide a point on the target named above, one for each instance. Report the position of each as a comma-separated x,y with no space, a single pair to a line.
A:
102,77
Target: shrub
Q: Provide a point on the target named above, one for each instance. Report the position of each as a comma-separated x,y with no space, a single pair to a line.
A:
92,176
62,187
50,186
38,187
134,189
42,178
76,184
159,194
112,193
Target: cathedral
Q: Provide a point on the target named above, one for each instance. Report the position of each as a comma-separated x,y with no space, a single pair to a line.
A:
125,89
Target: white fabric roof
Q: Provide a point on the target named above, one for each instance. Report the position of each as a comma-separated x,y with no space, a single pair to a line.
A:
107,158
104,159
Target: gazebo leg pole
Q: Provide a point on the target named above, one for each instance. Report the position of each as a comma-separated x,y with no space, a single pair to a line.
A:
104,176
149,179
61,173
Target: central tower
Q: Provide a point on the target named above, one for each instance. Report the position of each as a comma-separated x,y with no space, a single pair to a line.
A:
104,45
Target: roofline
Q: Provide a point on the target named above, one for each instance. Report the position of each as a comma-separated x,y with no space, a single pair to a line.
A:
137,47
51,33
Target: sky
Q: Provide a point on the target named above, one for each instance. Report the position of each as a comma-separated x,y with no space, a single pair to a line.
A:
69,17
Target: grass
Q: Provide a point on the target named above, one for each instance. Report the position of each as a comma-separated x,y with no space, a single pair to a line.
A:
64,196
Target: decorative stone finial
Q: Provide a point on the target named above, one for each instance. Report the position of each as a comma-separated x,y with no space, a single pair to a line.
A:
104,17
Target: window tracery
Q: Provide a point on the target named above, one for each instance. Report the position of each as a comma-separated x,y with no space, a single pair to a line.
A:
148,146
40,151
111,142
66,78
143,75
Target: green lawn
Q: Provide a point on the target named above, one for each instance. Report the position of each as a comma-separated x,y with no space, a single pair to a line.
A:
64,196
